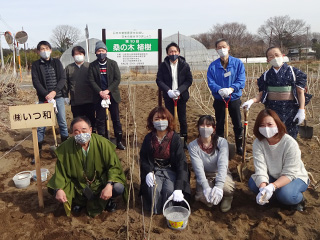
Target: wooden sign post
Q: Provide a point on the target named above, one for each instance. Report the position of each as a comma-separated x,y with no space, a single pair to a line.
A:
33,116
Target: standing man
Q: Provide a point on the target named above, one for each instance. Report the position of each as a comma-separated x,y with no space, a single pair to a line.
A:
81,93
48,78
174,79
104,77
226,78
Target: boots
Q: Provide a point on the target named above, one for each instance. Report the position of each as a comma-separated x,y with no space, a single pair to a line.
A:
185,138
33,161
111,205
239,146
226,203
119,143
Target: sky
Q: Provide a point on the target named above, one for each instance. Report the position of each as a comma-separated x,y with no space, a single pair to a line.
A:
39,18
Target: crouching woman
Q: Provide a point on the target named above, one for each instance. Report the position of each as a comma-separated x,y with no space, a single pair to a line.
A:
279,170
163,165
209,155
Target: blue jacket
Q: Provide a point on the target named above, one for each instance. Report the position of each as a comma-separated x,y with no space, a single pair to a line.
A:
217,80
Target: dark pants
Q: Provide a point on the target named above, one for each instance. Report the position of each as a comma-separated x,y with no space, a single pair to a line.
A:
235,114
84,110
101,117
182,106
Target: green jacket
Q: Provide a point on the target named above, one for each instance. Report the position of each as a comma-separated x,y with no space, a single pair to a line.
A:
101,161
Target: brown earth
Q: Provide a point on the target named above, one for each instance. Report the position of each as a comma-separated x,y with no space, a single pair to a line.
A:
21,218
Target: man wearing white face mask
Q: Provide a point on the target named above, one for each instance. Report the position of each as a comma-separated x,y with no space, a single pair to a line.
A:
88,172
78,86
226,78
282,89
279,171
48,79
174,79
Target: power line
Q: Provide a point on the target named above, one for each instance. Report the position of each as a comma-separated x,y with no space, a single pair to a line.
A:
7,25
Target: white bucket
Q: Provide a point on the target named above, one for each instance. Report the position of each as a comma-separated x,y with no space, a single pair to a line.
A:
44,174
177,216
22,179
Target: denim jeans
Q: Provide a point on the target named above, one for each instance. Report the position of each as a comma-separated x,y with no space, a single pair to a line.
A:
290,194
165,179
61,118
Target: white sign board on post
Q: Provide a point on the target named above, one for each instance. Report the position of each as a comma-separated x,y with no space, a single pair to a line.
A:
133,48
33,116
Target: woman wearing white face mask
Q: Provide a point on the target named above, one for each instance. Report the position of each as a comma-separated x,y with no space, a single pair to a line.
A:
163,164
209,155
281,89
279,170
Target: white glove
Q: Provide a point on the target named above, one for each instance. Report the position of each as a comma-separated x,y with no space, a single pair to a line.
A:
171,94
150,180
216,195
225,92
265,194
247,104
177,93
206,193
105,103
54,105
300,116
67,101
177,195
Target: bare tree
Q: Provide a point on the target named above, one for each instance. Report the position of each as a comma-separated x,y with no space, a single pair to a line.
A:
282,31
64,36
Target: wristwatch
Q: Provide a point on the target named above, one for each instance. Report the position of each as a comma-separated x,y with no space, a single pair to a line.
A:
110,182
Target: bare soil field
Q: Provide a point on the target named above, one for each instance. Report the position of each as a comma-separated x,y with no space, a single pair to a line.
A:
21,217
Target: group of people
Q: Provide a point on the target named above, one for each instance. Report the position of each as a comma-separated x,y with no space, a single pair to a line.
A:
89,88
89,173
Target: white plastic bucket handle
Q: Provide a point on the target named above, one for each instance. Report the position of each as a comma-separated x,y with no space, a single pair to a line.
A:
171,199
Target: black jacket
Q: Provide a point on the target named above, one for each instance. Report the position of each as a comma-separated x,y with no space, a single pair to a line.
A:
177,160
114,77
39,79
164,78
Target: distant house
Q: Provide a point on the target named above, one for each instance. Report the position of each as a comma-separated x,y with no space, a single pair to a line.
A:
298,53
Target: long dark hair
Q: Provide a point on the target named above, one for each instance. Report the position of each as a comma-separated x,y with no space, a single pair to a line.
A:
214,137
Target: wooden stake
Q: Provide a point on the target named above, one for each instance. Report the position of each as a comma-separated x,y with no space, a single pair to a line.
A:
38,170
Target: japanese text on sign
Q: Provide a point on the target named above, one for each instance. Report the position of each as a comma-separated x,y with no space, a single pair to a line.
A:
29,116
133,48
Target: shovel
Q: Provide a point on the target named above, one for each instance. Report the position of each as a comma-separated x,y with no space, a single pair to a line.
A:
232,150
107,124
175,119
54,147
242,167
305,131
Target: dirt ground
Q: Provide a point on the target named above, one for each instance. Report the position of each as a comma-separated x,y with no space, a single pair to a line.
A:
21,218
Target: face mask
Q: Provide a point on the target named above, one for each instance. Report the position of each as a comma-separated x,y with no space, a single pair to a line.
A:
223,52
173,57
160,125
78,58
45,54
268,132
205,132
277,62
82,138
101,56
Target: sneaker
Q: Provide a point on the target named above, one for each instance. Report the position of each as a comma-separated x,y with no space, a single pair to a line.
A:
226,204
111,206
300,206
